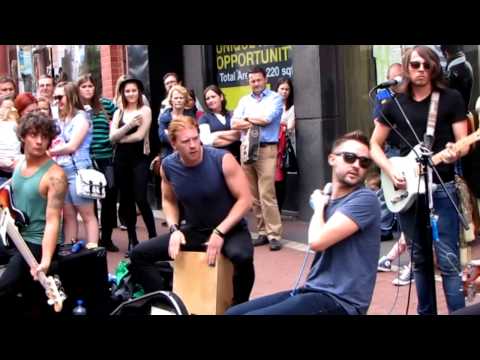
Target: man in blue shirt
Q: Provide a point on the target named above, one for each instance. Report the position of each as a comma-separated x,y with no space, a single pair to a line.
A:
345,234
263,108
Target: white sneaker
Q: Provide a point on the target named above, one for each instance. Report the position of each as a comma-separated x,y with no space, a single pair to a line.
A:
404,277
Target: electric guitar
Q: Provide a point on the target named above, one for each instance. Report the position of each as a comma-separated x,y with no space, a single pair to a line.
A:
399,200
470,274
10,217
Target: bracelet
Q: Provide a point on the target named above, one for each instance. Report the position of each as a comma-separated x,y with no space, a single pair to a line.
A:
219,233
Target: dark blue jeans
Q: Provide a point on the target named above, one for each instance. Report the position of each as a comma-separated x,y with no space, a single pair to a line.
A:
446,249
304,302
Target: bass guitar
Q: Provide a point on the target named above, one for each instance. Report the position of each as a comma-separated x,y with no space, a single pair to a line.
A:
399,200
10,218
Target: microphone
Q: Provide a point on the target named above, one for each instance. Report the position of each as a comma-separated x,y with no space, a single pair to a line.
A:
395,81
327,190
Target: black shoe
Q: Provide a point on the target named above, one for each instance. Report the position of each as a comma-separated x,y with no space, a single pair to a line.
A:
111,247
275,245
260,240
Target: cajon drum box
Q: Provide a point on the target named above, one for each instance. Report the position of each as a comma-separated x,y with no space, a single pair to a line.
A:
205,290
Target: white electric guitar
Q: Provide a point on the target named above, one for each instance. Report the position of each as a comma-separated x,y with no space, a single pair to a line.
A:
399,200
9,216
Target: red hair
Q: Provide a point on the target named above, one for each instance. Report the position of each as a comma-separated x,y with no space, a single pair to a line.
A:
23,100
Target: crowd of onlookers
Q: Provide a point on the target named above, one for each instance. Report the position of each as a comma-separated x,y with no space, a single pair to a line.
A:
113,136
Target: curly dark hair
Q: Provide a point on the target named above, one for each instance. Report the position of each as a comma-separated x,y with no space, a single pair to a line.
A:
37,122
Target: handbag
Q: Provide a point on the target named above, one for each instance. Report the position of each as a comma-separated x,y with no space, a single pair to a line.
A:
290,164
90,183
250,146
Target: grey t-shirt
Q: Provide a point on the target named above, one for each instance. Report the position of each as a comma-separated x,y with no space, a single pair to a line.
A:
347,270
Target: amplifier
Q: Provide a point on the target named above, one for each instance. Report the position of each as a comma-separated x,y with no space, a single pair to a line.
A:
84,276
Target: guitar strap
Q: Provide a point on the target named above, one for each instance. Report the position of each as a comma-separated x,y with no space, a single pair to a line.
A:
432,120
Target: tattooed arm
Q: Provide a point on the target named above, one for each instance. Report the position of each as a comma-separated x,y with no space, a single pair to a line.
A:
56,188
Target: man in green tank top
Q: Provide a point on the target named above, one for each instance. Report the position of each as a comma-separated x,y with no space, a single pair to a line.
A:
38,189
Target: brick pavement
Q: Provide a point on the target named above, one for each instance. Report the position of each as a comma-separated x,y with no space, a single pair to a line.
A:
276,271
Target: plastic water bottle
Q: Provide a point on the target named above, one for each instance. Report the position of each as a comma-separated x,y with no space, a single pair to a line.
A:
79,309
78,246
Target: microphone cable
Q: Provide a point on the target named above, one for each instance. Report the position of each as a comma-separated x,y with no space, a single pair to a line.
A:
295,288
326,191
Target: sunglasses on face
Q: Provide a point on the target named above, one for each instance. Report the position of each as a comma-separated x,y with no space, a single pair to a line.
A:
58,97
350,158
416,65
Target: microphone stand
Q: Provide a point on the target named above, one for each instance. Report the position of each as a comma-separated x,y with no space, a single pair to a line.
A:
430,219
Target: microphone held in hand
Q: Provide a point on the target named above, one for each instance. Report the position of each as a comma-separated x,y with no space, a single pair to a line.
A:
327,190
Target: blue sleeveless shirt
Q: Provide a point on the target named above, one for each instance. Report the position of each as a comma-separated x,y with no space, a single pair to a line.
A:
201,189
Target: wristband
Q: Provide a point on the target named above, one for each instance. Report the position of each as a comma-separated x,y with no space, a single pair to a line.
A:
173,228
219,233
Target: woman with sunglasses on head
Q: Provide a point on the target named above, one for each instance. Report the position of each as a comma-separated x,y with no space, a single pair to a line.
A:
181,103
72,155
215,127
130,132
101,152
179,99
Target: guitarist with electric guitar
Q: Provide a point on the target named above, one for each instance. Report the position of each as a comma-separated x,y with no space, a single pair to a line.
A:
417,100
31,204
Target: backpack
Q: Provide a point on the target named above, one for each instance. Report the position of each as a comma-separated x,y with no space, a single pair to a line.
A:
156,303
125,288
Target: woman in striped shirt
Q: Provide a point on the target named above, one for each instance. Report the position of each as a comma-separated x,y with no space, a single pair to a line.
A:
101,111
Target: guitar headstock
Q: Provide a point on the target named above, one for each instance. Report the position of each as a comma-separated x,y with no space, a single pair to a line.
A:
56,295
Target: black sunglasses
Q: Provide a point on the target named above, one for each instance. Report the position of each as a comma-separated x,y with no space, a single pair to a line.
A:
416,65
350,158
58,97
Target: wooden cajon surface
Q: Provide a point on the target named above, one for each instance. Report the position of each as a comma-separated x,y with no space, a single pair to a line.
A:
205,290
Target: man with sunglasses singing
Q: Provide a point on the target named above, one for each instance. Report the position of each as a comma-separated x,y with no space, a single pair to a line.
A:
423,76
344,232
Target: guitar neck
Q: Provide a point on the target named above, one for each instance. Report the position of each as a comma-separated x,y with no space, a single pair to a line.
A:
25,251
460,144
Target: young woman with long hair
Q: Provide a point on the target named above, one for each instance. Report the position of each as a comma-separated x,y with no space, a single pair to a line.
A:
130,131
101,152
284,88
74,154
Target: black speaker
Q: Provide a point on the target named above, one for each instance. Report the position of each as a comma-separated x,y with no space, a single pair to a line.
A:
84,276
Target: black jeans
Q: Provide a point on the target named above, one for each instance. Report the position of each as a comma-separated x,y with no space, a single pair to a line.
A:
237,247
132,180
108,213
17,278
